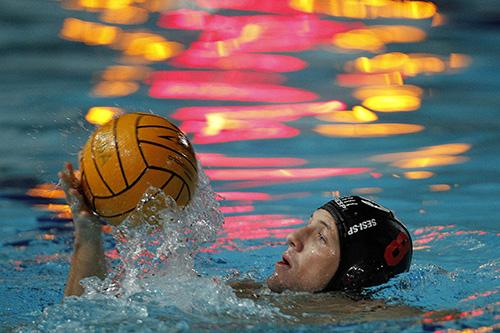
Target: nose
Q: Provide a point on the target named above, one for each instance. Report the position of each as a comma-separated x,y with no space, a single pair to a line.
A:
296,239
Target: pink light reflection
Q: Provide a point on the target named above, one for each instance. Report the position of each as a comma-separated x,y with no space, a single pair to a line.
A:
244,196
281,174
274,33
221,160
241,61
277,112
232,77
230,92
275,6
245,131
258,226
237,209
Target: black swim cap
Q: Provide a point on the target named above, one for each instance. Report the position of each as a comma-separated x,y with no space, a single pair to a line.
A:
374,245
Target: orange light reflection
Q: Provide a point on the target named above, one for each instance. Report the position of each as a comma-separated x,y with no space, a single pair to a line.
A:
114,88
47,190
418,174
439,188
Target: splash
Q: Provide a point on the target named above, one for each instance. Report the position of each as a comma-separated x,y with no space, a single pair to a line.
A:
155,286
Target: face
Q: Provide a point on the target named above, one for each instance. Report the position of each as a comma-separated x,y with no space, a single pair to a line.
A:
312,257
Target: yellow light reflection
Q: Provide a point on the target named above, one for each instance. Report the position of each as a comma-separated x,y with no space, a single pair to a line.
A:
114,88
100,115
408,64
149,46
381,63
368,9
426,157
217,122
431,161
439,187
392,103
371,91
418,174
161,50
358,115
366,130
152,47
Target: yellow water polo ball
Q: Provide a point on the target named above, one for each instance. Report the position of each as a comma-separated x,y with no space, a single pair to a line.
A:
125,157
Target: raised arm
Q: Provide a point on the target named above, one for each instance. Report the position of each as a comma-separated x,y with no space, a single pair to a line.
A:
88,254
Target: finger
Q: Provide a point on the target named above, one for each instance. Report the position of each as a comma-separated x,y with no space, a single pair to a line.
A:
69,167
77,200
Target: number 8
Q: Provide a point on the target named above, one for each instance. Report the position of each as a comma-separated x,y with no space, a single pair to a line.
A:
397,249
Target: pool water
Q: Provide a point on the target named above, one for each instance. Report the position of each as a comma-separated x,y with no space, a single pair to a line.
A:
287,103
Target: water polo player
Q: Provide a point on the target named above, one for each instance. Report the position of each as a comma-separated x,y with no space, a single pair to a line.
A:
349,243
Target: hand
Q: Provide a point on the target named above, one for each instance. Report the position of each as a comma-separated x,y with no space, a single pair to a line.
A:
86,223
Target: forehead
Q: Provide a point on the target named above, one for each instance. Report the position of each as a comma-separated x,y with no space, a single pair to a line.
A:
321,214
324,216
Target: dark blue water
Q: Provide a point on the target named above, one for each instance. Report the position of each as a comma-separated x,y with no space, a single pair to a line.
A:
46,90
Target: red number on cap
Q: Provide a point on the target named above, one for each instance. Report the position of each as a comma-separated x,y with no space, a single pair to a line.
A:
397,249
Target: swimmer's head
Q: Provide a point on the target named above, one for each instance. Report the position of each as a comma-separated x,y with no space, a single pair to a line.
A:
349,243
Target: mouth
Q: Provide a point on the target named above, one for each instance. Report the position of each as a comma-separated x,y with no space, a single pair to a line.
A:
284,262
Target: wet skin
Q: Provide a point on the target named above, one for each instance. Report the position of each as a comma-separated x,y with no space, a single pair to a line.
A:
312,257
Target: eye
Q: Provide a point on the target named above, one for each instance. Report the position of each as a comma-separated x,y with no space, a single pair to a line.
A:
322,238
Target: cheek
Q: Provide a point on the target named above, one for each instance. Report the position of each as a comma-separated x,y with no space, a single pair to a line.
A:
319,268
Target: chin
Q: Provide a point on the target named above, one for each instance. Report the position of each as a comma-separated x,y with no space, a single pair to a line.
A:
275,284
